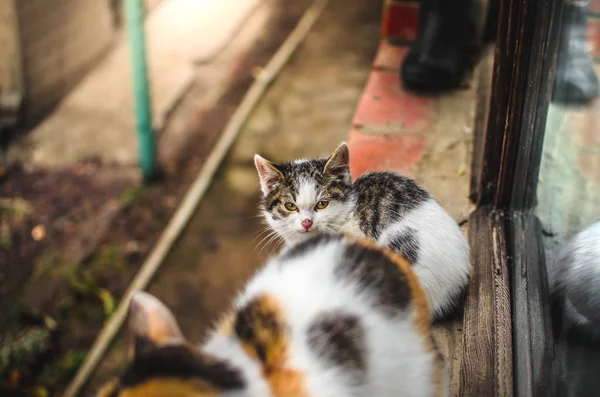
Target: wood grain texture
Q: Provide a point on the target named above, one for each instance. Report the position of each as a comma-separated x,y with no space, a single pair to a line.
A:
486,367
535,369
448,336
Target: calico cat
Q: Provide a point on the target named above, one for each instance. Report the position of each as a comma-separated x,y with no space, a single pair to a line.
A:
317,195
328,317
577,282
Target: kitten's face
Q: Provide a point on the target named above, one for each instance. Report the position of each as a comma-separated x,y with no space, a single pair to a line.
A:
163,364
306,196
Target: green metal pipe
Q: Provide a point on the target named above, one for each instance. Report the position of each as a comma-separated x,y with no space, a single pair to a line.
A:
134,16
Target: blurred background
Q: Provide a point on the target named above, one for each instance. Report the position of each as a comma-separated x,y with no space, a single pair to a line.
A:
77,216
110,109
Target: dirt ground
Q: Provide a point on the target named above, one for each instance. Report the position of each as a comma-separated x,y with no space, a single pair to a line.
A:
71,239
307,112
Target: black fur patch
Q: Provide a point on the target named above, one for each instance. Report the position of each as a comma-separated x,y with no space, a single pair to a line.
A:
372,270
180,362
407,244
303,247
383,198
339,339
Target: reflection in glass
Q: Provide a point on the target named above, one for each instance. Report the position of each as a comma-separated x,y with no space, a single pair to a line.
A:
569,200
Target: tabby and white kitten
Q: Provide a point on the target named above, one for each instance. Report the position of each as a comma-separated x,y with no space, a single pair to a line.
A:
317,195
328,317
577,282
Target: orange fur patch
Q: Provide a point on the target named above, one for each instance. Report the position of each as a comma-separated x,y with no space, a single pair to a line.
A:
267,320
286,383
268,333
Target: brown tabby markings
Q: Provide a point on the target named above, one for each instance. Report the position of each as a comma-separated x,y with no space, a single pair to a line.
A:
260,326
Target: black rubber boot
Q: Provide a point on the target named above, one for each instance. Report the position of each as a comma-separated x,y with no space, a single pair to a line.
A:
440,57
575,82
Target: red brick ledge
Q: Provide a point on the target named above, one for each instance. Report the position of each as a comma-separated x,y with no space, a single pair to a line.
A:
390,126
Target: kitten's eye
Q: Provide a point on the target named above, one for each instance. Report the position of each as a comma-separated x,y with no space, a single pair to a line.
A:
290,206
322,204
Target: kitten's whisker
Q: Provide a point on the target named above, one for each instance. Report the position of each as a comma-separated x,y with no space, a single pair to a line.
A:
260,233
263,230
282,238
264,237
271,240
329,227
252,217
279,244
267,237
272,237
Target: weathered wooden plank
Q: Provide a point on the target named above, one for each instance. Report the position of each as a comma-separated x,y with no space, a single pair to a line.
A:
448,335
535,369
486,367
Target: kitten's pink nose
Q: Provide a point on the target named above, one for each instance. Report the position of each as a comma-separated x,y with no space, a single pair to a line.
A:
307,223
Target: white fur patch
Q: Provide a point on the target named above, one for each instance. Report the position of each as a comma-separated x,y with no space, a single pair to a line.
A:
443,265
308,196
577,272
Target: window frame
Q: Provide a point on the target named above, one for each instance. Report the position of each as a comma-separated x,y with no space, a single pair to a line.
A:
511,352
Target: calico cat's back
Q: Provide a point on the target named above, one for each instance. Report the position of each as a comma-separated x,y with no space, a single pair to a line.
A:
348,317
327,317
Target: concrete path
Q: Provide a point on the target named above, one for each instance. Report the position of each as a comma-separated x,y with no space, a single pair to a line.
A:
97,118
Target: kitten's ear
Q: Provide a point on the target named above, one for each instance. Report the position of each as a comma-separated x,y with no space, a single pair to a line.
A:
151,323
268,174
339,163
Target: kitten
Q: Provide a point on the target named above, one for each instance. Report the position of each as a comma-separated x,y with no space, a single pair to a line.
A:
328,317
317,195
577,282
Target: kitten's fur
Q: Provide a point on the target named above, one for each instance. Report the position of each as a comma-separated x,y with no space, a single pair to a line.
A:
328,317
576,282
383,206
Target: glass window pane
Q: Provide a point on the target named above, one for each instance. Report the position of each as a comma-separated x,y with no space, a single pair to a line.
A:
568,197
